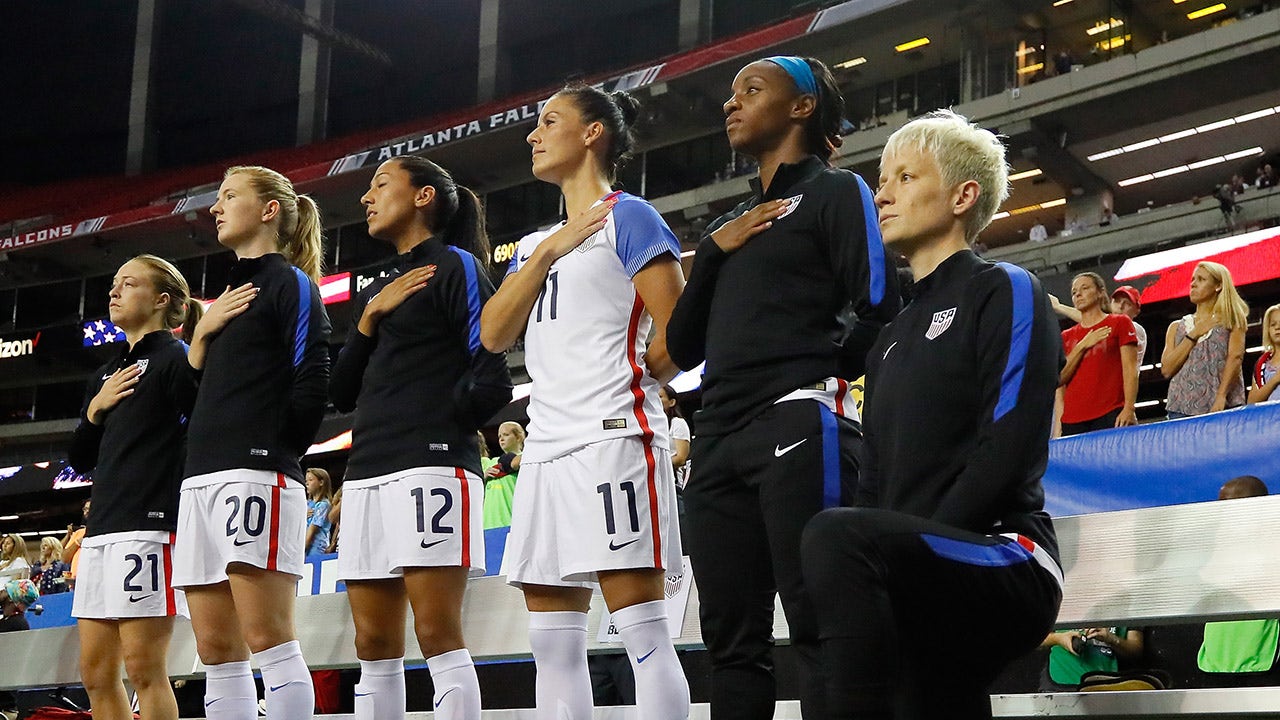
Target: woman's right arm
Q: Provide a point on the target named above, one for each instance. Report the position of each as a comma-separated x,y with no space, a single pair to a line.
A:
1175,351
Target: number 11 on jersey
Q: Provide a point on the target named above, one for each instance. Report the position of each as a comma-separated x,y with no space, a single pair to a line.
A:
553,282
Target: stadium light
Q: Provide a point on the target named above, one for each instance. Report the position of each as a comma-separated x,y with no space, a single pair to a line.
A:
850,63
912,44
1202,12
1030,68
1033,172
1101,27
1188,132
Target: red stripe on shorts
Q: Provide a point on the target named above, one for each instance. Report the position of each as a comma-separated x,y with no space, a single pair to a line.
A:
274,548
171,605
842,391
646,432
466,516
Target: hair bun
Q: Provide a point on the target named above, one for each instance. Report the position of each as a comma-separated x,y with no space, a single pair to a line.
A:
628,104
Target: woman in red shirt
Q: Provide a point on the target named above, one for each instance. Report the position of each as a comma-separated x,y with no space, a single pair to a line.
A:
1100,380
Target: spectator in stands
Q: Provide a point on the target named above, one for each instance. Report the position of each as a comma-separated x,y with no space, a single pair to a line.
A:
680,434
1072,653
1227,204
1242,646
1273,180
1203,351
49,572
1238,185
597,451
1127,301
1039,233
1261,181
1100,378
71,543
764,301
501,475
319,502
13,558
15,597
131,436
949,529
1106,216
335,520
681,438
421,384
1266,373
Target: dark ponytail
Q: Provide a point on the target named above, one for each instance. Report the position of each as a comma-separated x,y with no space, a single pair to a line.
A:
617,112
822,131
458,217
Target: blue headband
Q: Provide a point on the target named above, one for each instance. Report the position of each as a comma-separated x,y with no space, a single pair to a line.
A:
799,71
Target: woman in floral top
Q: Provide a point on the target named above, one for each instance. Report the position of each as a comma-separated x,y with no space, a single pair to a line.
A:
1203,351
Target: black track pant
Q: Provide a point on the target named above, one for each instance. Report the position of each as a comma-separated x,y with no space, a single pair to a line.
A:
917,618
749,496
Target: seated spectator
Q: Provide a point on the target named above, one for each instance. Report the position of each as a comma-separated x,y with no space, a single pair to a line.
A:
1100,379
319,500
1272,179
49,572
1266,374
1072,653
1241,646
1261,181
15,597
1203,351
13,559
501,474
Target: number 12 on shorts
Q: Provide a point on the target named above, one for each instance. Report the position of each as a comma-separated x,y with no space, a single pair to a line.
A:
437,520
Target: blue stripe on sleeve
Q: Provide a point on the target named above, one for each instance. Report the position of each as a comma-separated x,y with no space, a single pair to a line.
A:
473,298
640,234
830,458
875,245
304,317
1019,339
1001,554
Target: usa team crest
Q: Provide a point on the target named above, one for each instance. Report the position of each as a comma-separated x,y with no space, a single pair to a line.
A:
793,203
941,321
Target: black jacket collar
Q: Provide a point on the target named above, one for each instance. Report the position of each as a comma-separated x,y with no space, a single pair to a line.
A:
788,176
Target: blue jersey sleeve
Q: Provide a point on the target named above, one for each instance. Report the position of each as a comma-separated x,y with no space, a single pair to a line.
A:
642,234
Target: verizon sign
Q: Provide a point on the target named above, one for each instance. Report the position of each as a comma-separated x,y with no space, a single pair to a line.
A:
18,348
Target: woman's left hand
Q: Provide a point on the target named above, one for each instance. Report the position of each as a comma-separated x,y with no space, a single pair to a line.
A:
1219,403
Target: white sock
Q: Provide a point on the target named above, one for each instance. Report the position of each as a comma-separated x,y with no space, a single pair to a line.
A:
559,644
457,687
380,692
662,691
286,682
229,692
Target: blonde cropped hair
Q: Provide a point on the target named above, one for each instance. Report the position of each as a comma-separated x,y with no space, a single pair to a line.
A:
1231,309
963,152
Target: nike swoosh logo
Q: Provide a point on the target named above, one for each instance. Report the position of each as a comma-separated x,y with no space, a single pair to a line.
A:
886,350
612,546
210,702
779,451
133,599
443,695
360,694
426,544
644,657
237,543
277,687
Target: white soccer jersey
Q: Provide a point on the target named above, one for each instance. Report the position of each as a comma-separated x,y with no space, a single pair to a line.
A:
585,342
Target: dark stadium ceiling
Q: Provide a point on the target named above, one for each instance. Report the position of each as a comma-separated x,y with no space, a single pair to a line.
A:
1059,143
